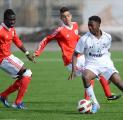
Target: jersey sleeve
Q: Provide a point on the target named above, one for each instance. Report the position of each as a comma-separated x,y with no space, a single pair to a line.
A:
16,40
77,28
45,41
80,46
109,42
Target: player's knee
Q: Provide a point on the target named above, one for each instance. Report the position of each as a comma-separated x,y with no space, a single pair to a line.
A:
86,81
86,77
27,73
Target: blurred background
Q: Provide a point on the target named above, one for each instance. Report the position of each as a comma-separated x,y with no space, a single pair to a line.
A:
35,18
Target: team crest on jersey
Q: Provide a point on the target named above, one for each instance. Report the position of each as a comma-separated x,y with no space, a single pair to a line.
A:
76,32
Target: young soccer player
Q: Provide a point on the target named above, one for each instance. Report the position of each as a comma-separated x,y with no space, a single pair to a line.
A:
67,37
11,64
95,45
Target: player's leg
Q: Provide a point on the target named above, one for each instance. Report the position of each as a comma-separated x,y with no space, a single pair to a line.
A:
14,67
12,88
87,76
25,80
11,65
79,69
116,79
9,90
85,94
79,73
105,86
107,90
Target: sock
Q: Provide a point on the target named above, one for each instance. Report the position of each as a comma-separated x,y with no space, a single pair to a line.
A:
85,94
91,94
23,87
105,86
11,89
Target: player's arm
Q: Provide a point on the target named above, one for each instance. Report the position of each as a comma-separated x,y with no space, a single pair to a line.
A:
78,31
28,55
20,45
42,45
44,42
79,50
74,62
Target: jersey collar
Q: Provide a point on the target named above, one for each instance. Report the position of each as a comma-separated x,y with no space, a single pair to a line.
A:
5,26
70,28
92,36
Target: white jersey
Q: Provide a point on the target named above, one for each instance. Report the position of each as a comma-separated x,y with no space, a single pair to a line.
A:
96,51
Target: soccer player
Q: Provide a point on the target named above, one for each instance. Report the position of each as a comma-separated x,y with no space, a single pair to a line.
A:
95,45
11,64
67,36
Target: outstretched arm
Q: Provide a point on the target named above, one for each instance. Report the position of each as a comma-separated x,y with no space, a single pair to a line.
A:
42,45
45,41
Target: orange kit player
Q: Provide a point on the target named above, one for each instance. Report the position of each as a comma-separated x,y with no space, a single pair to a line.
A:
11,64
67,37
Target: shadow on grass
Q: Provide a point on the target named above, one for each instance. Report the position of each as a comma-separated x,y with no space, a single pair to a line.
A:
47,107
51,107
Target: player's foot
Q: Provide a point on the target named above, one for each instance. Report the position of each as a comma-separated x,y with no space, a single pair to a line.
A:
95,108
19,106
114,97
4,101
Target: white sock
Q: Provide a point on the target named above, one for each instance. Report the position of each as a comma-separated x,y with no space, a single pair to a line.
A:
91,94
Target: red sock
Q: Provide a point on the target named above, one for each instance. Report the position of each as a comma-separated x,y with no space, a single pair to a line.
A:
11,89
105,86
24,85
85,95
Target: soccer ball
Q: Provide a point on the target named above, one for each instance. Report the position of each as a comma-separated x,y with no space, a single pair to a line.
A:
84,106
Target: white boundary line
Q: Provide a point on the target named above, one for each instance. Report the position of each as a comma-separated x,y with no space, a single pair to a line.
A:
60,60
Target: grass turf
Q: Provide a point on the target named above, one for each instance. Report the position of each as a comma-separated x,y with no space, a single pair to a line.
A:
51,96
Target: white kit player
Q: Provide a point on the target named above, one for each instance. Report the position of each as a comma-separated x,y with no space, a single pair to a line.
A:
95,45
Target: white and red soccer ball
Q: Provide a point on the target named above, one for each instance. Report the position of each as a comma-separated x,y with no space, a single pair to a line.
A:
84,106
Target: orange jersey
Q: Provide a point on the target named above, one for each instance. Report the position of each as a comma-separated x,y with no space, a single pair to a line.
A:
67,39
7,36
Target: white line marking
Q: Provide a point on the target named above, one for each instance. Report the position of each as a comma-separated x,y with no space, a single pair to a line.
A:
60,60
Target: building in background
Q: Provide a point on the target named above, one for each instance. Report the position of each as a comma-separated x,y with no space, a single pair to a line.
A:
45,13
33,13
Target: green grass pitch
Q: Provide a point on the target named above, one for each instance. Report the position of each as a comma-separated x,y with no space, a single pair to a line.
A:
51,96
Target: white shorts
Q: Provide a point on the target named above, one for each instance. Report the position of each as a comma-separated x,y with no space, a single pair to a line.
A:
11,65
79,66
105,71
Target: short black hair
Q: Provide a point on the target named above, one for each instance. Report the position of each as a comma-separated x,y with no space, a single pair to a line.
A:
63,9
95,18
9,14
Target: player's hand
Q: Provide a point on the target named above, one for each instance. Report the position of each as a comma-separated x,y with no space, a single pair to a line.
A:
31,58
72,76
34,56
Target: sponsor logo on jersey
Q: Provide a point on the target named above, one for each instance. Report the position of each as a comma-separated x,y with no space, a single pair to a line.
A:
95,55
